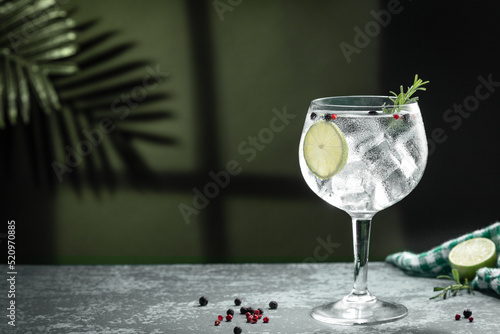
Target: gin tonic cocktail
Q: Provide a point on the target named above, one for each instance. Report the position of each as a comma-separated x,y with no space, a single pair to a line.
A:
361,154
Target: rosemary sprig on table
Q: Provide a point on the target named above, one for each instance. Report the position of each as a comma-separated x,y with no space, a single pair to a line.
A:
404,98
454,288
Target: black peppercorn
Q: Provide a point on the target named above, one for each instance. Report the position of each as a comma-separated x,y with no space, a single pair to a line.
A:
203,301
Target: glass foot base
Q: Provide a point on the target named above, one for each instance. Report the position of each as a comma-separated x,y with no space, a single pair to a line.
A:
344,312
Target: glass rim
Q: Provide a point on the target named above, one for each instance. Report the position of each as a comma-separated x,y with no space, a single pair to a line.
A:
320,101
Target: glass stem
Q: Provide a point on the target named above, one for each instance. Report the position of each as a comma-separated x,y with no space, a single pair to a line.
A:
361,240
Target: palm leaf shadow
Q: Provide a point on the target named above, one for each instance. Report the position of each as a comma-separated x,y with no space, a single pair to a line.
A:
90,103
34,37
63,115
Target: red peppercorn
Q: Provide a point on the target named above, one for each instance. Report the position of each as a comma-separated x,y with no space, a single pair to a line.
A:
229,317
457,316
257,312
260,316
266,320
471,319
248,314
334,116
217,322
396,116
220,317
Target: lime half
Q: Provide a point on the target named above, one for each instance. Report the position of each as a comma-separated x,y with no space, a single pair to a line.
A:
325,149
469,256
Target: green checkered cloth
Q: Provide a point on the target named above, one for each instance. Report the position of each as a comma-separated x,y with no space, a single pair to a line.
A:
435,261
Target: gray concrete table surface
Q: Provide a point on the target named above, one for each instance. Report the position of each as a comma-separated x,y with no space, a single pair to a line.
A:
154,299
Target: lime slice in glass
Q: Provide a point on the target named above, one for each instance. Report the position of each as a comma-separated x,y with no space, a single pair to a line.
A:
325,149
469,256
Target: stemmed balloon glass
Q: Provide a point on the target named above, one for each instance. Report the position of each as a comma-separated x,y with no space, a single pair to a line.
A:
362,154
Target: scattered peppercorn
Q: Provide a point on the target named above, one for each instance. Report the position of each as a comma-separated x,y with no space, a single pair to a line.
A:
372,112
457,316
313,116
396,116
203,301
467,313
471,319
333,116
254,315
327,117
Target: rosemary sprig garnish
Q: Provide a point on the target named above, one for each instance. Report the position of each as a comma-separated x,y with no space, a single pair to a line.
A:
404,98
454,288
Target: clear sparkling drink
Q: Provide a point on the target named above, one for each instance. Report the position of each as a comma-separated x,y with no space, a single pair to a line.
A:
386,158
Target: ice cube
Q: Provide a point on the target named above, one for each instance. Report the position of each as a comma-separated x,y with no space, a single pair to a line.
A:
355,199
352,174
397,185
413,143
382,159
407,162
366,140
380,197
